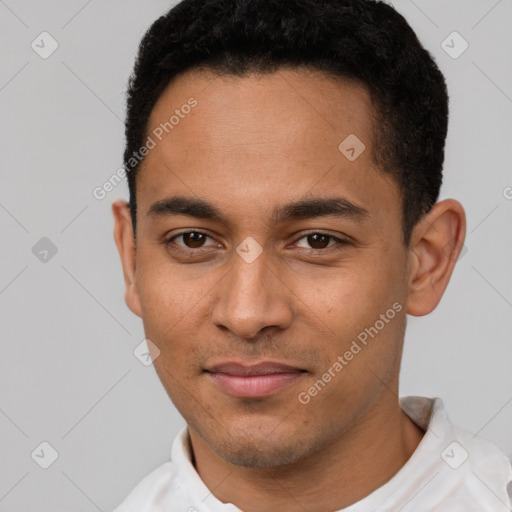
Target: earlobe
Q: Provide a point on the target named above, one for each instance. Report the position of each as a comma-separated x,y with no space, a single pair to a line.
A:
436,243
125,242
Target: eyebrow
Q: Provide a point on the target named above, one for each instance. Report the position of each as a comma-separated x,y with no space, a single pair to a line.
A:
299,210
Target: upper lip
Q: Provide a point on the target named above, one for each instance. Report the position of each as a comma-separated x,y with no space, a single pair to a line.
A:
263,368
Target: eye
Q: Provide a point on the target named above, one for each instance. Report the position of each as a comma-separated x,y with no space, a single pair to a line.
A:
320,241
192,239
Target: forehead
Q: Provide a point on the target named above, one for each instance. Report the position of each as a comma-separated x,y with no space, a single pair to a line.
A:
283,103
263,138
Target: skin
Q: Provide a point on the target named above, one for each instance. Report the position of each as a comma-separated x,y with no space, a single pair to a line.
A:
253,144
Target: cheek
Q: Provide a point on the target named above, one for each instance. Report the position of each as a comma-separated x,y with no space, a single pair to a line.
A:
160,289
173,312
351,307
161,305
354,296
164,307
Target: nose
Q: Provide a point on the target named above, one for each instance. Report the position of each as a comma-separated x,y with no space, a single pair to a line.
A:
252,297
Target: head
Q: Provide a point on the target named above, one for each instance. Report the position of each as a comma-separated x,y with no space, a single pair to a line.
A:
284,162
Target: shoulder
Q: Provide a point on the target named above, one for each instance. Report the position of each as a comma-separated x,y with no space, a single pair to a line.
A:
467,471
166,488
160,481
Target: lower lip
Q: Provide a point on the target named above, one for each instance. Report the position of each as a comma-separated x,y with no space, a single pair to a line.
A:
254,386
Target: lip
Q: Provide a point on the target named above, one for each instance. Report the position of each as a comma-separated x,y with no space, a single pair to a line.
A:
253,381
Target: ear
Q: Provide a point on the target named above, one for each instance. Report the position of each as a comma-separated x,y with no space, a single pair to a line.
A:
436,243
125,241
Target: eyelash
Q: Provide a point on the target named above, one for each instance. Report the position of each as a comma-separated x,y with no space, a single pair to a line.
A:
337,246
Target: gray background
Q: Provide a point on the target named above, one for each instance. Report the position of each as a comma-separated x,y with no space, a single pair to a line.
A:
68,375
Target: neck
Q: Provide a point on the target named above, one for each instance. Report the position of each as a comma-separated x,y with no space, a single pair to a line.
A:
369,454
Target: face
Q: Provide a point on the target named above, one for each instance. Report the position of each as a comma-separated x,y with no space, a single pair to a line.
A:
282,255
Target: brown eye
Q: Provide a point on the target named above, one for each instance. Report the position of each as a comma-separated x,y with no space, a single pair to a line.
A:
194,239
188,240
319,241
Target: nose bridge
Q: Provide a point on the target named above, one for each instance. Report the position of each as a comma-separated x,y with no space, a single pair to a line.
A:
251,297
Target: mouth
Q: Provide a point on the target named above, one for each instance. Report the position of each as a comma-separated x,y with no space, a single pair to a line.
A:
253,381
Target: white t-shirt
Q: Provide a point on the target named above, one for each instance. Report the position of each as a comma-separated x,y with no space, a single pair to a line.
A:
450,471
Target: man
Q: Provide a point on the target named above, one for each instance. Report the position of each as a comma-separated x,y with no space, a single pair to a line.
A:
285,159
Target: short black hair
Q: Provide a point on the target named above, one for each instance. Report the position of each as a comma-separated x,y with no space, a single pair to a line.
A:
366,41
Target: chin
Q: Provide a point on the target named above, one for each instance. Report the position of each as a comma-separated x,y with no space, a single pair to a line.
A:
255,454
258,449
